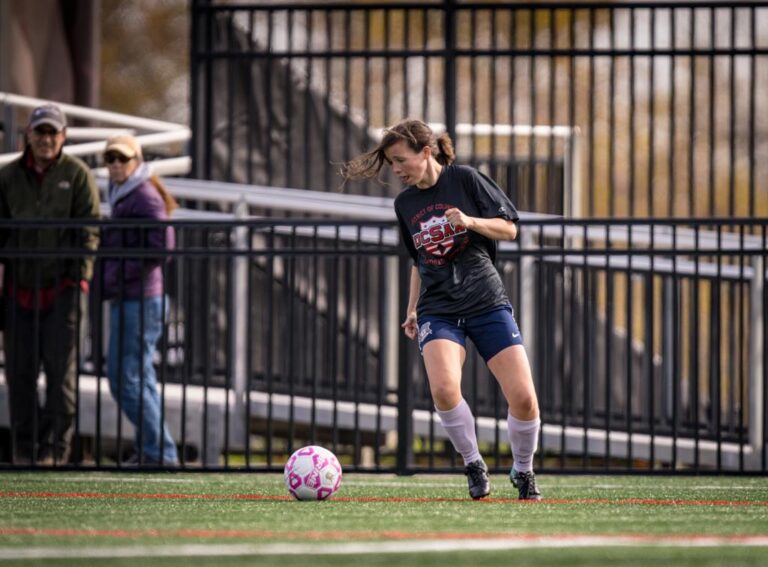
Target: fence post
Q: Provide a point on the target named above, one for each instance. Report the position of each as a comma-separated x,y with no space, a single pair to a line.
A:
756,358
239,332
405,380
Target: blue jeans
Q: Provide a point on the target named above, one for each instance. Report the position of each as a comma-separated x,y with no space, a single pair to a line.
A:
136,393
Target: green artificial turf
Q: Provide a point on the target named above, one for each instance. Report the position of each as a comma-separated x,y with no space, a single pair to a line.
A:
226,509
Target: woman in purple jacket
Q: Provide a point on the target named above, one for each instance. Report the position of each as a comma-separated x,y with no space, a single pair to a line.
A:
134,287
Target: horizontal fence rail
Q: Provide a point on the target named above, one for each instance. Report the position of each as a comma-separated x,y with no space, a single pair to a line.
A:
647,340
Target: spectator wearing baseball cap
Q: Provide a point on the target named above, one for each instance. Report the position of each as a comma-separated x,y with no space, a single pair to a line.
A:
134,288
48,114
45,294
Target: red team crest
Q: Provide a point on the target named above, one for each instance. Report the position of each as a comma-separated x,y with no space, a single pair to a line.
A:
437,235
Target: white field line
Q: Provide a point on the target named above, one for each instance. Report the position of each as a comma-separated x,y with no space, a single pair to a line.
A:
370,548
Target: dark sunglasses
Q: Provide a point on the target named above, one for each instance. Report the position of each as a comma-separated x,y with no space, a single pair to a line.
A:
43,131
112,158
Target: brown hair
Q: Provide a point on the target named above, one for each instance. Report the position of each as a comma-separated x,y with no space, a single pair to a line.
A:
170,202
415,133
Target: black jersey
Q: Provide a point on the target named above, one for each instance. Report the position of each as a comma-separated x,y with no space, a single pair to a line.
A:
458,278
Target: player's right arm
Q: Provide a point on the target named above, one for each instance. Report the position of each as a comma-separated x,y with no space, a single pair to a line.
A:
409,325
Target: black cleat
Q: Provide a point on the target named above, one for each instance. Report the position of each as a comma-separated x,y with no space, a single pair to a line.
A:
514,477
477,479
525,482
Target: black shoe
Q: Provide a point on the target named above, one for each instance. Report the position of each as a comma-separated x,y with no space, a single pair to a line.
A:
477,478
147,462
514,477
134,460
525,482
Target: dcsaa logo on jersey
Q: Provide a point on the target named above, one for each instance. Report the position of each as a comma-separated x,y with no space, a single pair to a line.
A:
436,235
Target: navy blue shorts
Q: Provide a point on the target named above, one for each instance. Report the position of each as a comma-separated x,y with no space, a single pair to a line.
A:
491,332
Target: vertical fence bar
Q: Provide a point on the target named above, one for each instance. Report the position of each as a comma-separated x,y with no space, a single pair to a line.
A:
208,330
269,332
512,176
316,327
551,121
650,319
272,65
732,117
608,347
248,357
652,117
711,186
308,101
716,348
493,171
194,93
741,351
629,348
209,118
695,331
692,113
675,348
426,60
288,336
632,108
406,49
563,383
587,345
289,110
757,354
404,461
327,103
591,116
230,109
333,332
612,119
449,11
751,122
251,123
531,197
763,357
672,119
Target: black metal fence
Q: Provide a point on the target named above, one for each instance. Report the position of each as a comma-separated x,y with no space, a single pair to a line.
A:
647,340
647,109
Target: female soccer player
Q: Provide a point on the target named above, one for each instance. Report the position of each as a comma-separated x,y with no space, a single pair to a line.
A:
450,217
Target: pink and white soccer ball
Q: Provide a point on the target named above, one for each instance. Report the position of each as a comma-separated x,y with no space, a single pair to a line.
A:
312,473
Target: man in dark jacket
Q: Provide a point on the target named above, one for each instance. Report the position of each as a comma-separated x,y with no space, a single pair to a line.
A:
45,294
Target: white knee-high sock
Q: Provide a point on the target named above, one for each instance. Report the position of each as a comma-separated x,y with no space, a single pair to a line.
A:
524,438
459,424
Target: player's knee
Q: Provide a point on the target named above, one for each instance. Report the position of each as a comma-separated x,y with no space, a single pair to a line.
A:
525,407
445,397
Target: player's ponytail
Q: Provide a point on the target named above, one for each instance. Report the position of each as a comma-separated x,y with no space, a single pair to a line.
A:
413,132
445,154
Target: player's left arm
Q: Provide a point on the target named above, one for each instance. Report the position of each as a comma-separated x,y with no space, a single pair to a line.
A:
496,228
